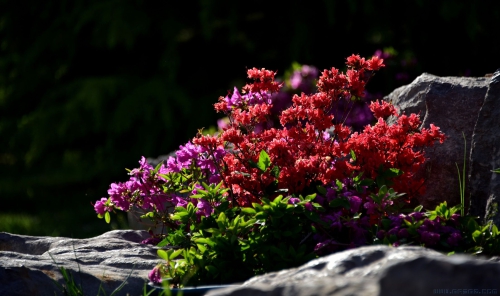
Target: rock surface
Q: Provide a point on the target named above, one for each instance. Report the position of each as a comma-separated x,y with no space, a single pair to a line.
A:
26,266
457,105
378,270
485,153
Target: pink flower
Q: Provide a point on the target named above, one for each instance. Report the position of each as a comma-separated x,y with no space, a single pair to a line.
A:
204,207
355,202
100,206
155,275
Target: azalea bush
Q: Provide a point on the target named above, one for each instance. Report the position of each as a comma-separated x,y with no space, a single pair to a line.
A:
275,189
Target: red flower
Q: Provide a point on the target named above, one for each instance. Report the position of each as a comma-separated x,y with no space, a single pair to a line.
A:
356,62
375,63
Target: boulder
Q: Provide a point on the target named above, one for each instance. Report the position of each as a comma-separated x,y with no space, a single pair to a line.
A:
457,105
378,270
485,156
29,265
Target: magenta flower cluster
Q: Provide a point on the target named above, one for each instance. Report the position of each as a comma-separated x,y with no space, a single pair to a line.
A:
144,188
429,233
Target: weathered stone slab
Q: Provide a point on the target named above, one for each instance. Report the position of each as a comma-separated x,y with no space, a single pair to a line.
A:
485,156
453,104
26,267
378,270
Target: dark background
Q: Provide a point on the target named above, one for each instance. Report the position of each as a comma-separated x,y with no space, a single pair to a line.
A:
88,87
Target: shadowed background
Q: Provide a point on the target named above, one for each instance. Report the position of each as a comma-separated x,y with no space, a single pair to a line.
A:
88,87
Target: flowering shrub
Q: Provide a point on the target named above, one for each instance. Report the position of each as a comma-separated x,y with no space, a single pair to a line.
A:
271,197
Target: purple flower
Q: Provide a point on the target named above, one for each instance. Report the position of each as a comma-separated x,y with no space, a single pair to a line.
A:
155,275
179,201
355,203
333,219
293,200
358,232
393,231
455,219
204,207
319,199
381,234
151,241
303,79
100,206
331,194
309,206
416,215
403,233
396,220
371,207
382,54
173,165
187,153
234,100
214,179
119,193
454,239
223,123
429,238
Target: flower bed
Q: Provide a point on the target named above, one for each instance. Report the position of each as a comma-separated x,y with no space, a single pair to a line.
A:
279,186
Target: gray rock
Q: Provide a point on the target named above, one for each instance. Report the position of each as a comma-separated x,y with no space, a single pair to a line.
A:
378,270
485,156
453,104
26,266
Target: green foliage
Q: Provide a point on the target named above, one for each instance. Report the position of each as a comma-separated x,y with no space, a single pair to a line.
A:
234,244
461,180
480,239
442,211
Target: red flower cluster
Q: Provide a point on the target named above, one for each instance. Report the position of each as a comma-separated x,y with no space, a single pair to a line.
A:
263,81
393,146
309,149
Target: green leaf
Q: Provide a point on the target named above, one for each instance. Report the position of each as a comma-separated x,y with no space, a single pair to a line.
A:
353,155
212,269
394,172
222,217
158,166
339,184
150,215
321,189
207,241
163,243
249,211
310,197
107,217
340,202
366,182
496,171
275,172
163,255
432,215
202,248
174,254
197,196
418,209
278,199
264,161
476,234
383,190
257,206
